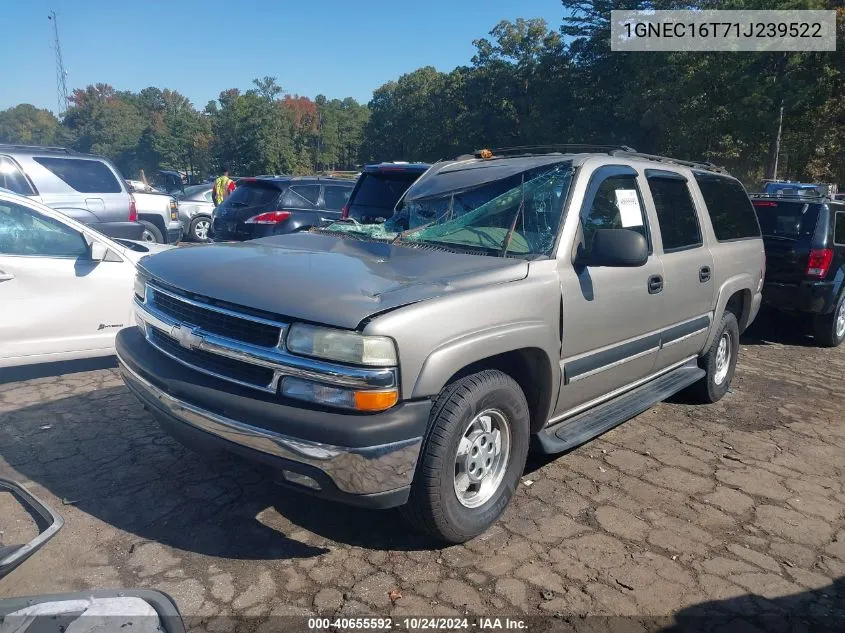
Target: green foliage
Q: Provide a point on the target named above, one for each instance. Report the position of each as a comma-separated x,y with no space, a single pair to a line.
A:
25,124
260,131
531,85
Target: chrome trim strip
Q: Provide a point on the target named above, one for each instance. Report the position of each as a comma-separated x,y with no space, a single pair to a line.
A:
270,388
582,407
616,363
684,337
213,308
364,470
280,361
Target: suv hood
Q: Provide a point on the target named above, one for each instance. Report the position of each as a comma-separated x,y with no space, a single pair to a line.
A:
324,278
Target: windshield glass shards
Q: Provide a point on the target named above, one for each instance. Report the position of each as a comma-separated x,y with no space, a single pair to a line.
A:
519,214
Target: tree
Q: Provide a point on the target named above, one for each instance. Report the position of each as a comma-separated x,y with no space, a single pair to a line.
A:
25,124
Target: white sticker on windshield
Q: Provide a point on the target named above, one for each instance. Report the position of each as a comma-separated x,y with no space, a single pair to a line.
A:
629,207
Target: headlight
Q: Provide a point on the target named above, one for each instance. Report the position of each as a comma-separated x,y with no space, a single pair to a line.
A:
140,287
341,345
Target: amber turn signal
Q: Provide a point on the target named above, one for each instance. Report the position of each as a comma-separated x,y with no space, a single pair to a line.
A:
375,400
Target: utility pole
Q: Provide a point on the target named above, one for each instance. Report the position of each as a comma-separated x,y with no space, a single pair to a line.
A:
777,143
61,73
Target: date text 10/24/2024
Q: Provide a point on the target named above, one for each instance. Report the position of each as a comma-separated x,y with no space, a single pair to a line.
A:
416,624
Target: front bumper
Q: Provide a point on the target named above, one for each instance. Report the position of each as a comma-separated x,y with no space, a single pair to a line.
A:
815,297
174,232
366,460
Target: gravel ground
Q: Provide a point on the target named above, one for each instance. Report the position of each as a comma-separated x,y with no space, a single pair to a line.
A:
732,508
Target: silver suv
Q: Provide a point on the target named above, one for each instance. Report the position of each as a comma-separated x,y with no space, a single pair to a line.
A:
513,302
85,187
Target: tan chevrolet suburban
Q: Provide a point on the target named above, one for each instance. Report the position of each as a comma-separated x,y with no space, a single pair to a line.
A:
516,300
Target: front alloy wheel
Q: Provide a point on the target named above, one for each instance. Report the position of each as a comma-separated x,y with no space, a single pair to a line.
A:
482,458
473,456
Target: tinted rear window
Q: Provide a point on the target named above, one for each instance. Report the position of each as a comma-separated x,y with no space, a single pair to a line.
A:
383,189
335,197
730,209
786,219
84,176
253,195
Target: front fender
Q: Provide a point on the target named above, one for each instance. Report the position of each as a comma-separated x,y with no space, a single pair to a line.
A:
456,354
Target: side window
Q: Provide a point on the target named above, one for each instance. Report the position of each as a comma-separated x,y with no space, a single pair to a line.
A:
729,207
85,176
24,232
12,178
839,229
676,214
613,203
336,197
303,195
209,196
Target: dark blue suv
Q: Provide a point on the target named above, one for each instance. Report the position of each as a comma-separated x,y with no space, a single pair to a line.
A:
379,188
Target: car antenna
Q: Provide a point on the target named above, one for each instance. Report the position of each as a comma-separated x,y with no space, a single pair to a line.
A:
507,241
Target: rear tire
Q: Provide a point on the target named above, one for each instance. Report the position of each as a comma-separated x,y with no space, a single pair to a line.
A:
829,329
719,363
473,457
151,233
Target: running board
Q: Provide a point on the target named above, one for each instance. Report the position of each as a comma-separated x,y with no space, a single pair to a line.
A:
585,426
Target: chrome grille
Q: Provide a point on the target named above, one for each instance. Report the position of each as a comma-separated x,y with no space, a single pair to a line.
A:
211,320
235,370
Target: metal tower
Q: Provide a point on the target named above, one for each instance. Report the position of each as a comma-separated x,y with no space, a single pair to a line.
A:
61,73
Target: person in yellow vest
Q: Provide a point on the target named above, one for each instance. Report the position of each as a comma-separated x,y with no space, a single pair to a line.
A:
223,186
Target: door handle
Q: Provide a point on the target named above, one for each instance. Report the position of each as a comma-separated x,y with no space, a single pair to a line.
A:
655,284
4,276
704,274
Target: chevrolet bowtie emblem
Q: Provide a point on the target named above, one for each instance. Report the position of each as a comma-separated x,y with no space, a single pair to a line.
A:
186,337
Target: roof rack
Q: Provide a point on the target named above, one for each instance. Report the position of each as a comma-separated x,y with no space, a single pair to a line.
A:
522,150
674,161
43,148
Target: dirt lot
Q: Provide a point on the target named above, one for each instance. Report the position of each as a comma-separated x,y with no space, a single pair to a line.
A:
735,508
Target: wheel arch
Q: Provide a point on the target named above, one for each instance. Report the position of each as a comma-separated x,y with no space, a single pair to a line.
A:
736,296
529,364
156,220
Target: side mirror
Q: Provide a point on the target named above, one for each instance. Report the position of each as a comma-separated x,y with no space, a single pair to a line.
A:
98,251
615,248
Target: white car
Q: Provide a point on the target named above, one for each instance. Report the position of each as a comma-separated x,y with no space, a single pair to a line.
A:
65,289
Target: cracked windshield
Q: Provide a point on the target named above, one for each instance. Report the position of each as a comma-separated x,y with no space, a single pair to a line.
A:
514,215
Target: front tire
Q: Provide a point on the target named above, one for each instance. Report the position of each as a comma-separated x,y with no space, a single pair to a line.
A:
719,363
829,329
473,457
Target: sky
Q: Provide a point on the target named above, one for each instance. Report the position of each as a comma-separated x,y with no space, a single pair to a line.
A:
200,47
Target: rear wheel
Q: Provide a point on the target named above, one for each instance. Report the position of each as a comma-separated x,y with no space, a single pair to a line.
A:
829,329
473,457
151,233
199,229
719,363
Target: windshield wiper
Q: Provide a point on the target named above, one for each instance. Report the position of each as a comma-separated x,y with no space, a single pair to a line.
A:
403,234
